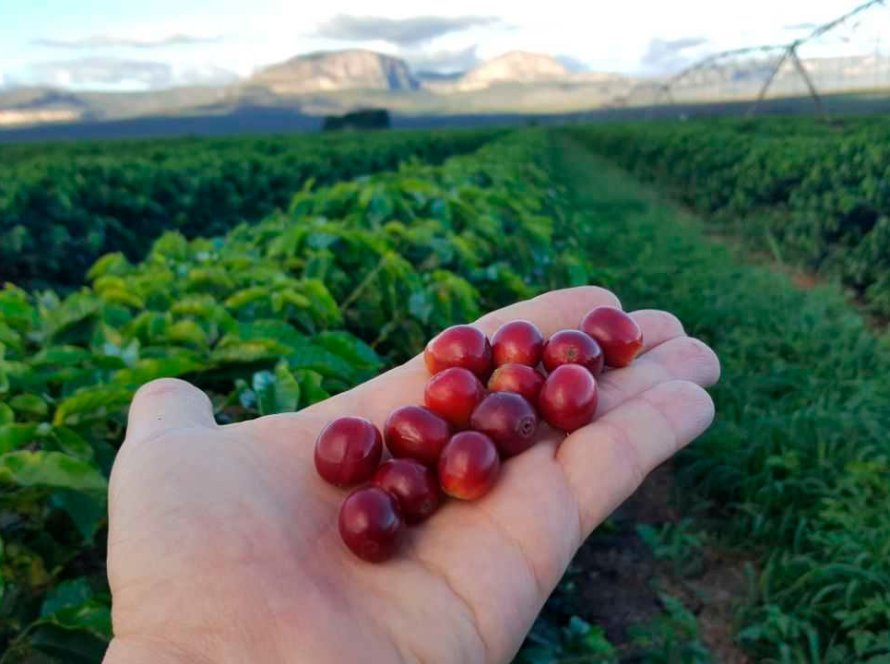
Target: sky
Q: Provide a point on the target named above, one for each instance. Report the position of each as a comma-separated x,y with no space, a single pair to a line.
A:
124,45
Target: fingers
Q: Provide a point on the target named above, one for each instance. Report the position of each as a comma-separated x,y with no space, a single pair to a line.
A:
680,358
167,404
657,327
607,460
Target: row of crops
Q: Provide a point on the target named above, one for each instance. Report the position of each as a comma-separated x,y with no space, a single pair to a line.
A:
793,476
808,193
64,205
269,318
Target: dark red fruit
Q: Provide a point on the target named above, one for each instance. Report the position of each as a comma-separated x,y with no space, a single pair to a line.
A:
573,347
348,451
524,380
569,397
459,346
454,393
469,465
509,420
414,486
517,342
617,334
371,524
417,433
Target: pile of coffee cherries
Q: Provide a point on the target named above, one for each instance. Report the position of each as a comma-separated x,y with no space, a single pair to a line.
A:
482,405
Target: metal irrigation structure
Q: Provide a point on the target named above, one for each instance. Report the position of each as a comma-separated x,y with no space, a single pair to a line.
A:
751,73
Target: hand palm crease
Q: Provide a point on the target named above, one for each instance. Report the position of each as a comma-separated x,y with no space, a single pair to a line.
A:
223,543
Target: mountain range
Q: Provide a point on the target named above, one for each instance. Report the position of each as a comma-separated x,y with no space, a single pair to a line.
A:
334,82
301,89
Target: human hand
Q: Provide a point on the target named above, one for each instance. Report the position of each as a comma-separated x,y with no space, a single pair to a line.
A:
223,542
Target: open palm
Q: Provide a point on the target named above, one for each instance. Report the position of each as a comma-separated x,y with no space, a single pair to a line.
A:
223,543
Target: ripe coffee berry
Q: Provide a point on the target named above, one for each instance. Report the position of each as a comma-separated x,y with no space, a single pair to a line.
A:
520,378
459,346
508,419
469,465
417,433
453,394
348,451
371,524
413,485
517,342
569,397
573,347
617,334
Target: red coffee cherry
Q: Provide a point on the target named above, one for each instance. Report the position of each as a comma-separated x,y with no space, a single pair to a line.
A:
569,397
453,394
417,433
414,486
517,342
520,378
573,347
617,334
347,451
469,465
370,523
459,346
509,420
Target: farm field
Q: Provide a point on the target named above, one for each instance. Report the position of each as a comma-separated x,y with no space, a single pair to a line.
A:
342,279
63,205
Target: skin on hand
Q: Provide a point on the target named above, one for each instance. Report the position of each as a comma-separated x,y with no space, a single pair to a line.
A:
223,542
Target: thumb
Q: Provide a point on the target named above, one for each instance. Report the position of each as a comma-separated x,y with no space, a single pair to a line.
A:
165,405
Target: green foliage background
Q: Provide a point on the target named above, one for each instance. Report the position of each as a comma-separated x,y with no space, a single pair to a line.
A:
805,192
64,205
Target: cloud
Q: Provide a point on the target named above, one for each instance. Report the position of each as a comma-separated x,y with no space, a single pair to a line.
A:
115,73
111,41
402,32
444,60
667,55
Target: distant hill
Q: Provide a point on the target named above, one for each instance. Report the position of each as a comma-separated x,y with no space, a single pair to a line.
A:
514,67
330,71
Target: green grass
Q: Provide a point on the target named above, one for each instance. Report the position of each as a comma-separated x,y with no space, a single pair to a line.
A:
795,469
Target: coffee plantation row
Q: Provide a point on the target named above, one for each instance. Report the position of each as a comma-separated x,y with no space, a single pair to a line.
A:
792,477
809,193
270,318
64,205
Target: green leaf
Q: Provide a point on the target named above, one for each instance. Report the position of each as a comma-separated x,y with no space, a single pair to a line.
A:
247,296
30,404
86,510
67,645
349,347
188,331
91,617
91,403
70,442
74,592
277,392
232,350
13,436
151,368
56,356
50,470
6,414
311,390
